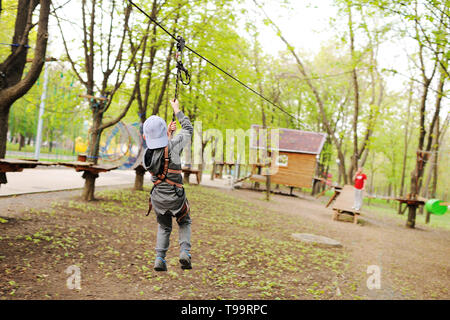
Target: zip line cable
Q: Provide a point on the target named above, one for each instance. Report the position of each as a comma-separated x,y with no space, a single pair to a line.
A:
210,62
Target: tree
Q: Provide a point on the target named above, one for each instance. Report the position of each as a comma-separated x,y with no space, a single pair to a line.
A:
13,83
422,149
430,24
99,51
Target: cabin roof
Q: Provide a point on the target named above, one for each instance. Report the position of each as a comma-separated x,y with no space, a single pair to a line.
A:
290,140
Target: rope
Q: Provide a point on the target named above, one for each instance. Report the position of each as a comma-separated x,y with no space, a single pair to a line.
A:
14,45
210,62
180,69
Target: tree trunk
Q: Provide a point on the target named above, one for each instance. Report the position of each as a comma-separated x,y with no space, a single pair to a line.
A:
89,185
21,141
139,178
3,140
213,155
435,173
50,141
417,174
12,86
411,222
92,155
4,115
354,158
406,142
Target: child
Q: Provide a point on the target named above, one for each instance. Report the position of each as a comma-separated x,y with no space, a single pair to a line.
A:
359,178
162,160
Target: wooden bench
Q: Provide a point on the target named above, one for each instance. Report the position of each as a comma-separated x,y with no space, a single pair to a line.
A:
353,213
218,170
258,178
344,203
188,171
337,191
17,165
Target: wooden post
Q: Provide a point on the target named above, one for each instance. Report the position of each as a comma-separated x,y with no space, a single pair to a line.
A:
427,217
139,178
213,170
186,177
411,222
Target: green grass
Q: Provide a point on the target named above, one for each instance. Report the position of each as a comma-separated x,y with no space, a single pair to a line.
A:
240,250
382,208
389,208
27,148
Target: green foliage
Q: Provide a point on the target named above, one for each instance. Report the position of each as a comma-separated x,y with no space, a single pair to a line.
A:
64,116
228,34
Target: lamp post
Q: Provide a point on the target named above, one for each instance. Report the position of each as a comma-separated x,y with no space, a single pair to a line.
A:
37,150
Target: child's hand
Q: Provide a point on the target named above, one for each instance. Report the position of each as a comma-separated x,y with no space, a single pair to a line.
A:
175,105
172,128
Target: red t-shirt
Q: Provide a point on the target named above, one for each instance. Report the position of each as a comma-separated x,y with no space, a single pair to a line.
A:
359,180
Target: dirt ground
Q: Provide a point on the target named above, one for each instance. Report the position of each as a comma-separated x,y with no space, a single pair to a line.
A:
241,246
414,263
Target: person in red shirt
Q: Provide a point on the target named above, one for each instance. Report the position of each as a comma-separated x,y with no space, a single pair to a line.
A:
359,179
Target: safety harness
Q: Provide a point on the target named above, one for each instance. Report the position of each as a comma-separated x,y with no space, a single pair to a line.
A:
163,178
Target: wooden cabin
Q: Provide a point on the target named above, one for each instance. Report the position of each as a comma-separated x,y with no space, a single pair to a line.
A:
298,154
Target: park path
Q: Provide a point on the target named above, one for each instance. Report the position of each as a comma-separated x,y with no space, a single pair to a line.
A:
414,263
59,179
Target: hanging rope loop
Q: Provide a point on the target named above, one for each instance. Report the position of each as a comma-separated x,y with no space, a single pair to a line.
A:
180,44
182,73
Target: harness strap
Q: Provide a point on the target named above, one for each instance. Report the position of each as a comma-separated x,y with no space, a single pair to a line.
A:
184,211
150,206
179,185
163,177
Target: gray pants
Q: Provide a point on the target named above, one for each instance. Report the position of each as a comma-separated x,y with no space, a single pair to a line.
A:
358,199
164,230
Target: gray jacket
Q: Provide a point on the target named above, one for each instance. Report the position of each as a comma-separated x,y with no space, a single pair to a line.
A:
164,198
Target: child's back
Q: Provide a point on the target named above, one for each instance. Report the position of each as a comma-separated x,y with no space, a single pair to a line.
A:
168,199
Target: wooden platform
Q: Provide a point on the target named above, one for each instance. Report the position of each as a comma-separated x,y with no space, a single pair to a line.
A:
17,165
417,202
188,171
87,166
337,192
344,203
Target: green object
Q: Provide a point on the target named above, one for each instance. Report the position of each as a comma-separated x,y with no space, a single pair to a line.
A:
434,206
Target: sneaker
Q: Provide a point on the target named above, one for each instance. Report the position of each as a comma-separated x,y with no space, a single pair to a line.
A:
160,264
185,260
